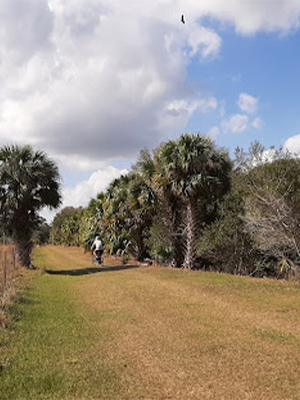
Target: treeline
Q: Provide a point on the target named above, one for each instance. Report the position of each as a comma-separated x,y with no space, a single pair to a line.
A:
189,205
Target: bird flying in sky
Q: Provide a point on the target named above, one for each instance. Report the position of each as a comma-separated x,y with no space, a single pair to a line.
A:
182,19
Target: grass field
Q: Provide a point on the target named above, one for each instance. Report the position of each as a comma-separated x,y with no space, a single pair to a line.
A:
136,332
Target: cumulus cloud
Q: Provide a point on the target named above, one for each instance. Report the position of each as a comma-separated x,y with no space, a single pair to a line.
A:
205,42
97,76
177,113
257,123
81,194
249,17
235,124
100,79
292,144
240,122
84,191
247,103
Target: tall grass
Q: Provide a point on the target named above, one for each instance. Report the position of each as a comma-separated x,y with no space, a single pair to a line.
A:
9,271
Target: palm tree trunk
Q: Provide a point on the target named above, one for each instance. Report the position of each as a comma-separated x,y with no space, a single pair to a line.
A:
24,248
177,238
191,234
141,251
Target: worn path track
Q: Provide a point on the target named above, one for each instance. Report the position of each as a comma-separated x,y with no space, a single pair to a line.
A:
136,332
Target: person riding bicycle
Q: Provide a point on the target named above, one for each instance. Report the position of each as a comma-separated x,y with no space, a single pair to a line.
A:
97,247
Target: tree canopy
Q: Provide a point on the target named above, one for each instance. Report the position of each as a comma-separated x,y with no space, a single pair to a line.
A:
187,204
29,181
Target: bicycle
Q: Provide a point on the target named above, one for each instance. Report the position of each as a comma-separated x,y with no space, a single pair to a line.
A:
98,258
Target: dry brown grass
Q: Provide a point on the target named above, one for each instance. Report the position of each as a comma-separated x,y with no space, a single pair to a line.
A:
173,334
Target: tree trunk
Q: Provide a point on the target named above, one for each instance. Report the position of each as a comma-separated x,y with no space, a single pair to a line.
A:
141,252
190,251
22,237
177,238
24,248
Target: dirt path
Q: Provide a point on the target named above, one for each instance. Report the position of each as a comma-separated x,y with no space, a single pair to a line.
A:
156,333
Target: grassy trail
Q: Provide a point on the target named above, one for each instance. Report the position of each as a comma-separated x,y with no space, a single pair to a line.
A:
149,333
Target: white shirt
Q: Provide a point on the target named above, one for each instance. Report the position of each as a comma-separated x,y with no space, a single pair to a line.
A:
97,245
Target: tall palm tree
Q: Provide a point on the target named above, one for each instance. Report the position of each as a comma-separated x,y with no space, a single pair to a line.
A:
29,181
117,216
128,212
142,206
91,224
170,201
192,171
143,201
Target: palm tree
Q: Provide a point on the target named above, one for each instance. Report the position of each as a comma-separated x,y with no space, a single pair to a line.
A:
143,202
142,206
170,201
191,172
117,216
91,224
29,181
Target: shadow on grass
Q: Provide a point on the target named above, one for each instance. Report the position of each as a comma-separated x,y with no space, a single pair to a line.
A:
88,271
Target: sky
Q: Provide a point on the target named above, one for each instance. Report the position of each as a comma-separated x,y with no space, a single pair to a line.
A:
92,82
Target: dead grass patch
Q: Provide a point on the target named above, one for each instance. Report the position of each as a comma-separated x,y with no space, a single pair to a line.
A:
199,336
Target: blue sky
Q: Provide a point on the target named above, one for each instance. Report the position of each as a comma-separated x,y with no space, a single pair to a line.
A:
92,82
265,66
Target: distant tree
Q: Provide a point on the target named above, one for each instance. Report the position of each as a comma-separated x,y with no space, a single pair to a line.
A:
117,216
170,209
92,221
271,197
42,232
56,233
142,204
257,154
70,230
273,208
225,245
29,181
143,201
128,210
160,239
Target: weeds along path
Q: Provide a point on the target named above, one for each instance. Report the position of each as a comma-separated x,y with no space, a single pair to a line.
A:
133,332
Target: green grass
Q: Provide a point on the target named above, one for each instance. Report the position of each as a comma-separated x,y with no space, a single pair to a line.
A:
149,333
50,346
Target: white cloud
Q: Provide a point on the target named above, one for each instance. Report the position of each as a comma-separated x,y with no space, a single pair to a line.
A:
257,123
177,113
247,103
205,42
235,124
292,144
84,191
237,78
269,155
79,163
185,107
81,194
93,79
249,17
